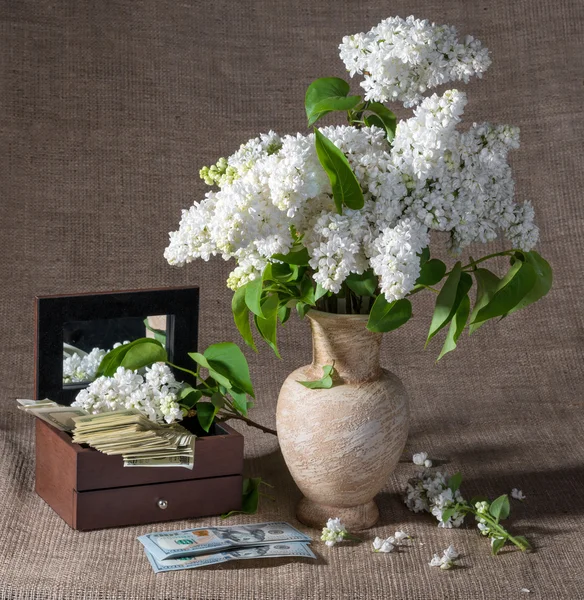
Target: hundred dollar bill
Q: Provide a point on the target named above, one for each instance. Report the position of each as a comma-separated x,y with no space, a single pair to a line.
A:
61,417
284,549
194,542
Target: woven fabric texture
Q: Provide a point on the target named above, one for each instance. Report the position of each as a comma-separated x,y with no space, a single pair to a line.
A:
107,111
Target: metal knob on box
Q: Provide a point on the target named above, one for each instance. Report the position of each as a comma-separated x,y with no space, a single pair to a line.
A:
162,504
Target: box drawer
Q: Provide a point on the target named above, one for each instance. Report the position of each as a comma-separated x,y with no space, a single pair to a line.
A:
155,503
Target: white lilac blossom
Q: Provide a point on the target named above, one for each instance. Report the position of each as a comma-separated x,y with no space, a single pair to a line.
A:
334,532
380,545
401,536
447,560
517,494
420,458
388,544
429,492
428,463
402,58
156,394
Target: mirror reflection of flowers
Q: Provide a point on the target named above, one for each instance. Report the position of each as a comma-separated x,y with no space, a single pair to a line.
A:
80,366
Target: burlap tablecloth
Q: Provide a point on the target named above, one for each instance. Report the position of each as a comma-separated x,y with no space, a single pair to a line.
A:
108,110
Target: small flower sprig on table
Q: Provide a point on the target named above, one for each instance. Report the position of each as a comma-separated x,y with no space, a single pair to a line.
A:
335,532
433,493
447,560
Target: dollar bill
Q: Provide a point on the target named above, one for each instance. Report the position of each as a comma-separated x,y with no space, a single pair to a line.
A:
280,550
61,417
165,545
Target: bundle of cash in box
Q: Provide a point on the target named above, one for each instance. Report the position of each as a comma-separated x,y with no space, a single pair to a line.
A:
193,548
129,433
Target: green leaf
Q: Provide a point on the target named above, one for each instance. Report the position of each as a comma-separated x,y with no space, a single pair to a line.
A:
281,272
447,514
112,360
227,359
500,508
206,412
253,296
523,543
267,325
387,316
143,353
188,397
496,545
251,497
302,308
387,118
512,289
487,284
325,382
330,104
457,324
455,481
202,361
364,284
307,291
320,292
431,272
298,257
284,313
159,335
371,120
346,188
239,401
445,302
325,95
241,316
424,256
543,282
218,401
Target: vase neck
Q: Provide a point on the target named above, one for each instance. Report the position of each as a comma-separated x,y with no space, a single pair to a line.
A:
345,341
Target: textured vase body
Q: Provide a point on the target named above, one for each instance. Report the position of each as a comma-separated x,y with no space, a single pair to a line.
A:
342,444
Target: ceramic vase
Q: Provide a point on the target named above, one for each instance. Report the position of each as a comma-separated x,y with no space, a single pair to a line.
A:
341,444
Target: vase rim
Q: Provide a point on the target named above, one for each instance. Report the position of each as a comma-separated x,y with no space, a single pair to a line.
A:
320,314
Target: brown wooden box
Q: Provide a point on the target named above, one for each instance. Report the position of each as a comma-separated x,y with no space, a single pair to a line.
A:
91,490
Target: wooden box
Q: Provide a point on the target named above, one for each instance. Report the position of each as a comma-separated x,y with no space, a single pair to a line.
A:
91,490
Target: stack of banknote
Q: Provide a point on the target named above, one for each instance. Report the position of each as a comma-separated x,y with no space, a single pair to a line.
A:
128,433
140,441
193,548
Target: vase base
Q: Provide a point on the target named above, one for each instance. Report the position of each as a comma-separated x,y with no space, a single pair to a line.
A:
354,518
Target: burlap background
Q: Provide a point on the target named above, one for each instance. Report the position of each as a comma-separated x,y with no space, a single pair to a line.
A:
107,111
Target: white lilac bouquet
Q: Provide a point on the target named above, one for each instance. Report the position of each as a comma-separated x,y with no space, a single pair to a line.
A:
341,219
